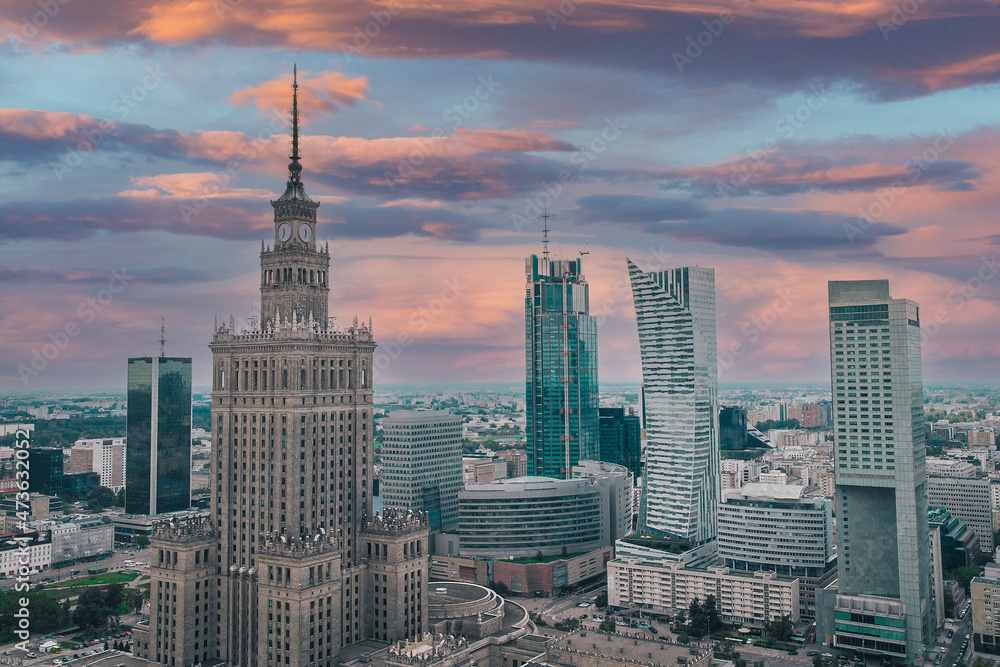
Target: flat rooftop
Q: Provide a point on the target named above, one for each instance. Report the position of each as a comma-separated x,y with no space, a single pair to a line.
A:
441,593
624,647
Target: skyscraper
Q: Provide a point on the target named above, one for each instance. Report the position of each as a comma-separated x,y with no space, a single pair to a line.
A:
422,464
46,467
883,604
561,367
675,311
158,432
292,553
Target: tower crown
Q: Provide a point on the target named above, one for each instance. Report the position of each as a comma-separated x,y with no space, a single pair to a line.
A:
294,274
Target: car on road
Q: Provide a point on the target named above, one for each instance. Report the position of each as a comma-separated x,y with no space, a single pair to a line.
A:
812,653
31,655
793,653
652,629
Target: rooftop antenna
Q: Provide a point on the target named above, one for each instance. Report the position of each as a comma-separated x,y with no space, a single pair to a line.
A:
163,340
545,232
294,168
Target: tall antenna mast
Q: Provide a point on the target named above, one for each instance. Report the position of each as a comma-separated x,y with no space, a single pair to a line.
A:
163,340
545,232
295,112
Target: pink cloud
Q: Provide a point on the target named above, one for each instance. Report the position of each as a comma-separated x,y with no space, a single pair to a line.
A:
327,92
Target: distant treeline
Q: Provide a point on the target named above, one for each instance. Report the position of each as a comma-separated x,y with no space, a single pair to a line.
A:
64,432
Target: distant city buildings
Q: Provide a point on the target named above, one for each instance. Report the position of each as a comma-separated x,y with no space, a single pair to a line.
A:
483,469
158,432
675,312
105,456
621,439
517,461
882,604
561,386
982,437
422,464
968,500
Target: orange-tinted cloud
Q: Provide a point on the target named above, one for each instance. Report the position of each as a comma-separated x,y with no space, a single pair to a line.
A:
326,92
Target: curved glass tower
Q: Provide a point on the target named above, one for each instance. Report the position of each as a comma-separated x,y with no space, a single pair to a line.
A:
675,312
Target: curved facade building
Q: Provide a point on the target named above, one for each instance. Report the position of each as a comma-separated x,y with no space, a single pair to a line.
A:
523,516
675,312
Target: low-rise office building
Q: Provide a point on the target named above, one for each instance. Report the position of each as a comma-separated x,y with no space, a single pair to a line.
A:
82,539
775,528
530,516
750,598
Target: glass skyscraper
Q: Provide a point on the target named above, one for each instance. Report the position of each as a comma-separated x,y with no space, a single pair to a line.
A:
883,599
675,312
621,439
158,428
561,368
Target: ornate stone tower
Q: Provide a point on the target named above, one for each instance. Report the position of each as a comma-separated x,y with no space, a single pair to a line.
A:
395,547
182,595
294,274
291,456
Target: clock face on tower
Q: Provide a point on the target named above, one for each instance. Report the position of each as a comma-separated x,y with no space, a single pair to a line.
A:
305,232
284,232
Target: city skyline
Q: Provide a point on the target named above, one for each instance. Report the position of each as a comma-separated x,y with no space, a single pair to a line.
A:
837,154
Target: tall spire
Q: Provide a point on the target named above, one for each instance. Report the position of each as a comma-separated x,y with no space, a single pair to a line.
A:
294,168
545,233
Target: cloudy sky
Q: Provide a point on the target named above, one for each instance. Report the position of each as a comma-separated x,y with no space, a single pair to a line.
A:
782,142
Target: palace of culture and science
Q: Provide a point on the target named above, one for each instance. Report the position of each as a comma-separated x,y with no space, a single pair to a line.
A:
291,566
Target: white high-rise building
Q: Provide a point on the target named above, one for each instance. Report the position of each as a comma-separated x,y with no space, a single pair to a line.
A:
883,601
105,456
675,312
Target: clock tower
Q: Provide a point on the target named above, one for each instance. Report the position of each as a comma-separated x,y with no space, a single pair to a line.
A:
294,273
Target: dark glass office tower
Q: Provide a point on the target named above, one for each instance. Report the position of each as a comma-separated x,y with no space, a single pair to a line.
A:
158,446
561,367
621,439
46,467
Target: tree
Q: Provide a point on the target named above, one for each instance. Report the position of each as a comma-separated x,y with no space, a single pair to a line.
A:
963,576
114,596
90,610
608,625
100,498
120,498
712,619
680,619
780,628
683,638
601,601
142,540
500,587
